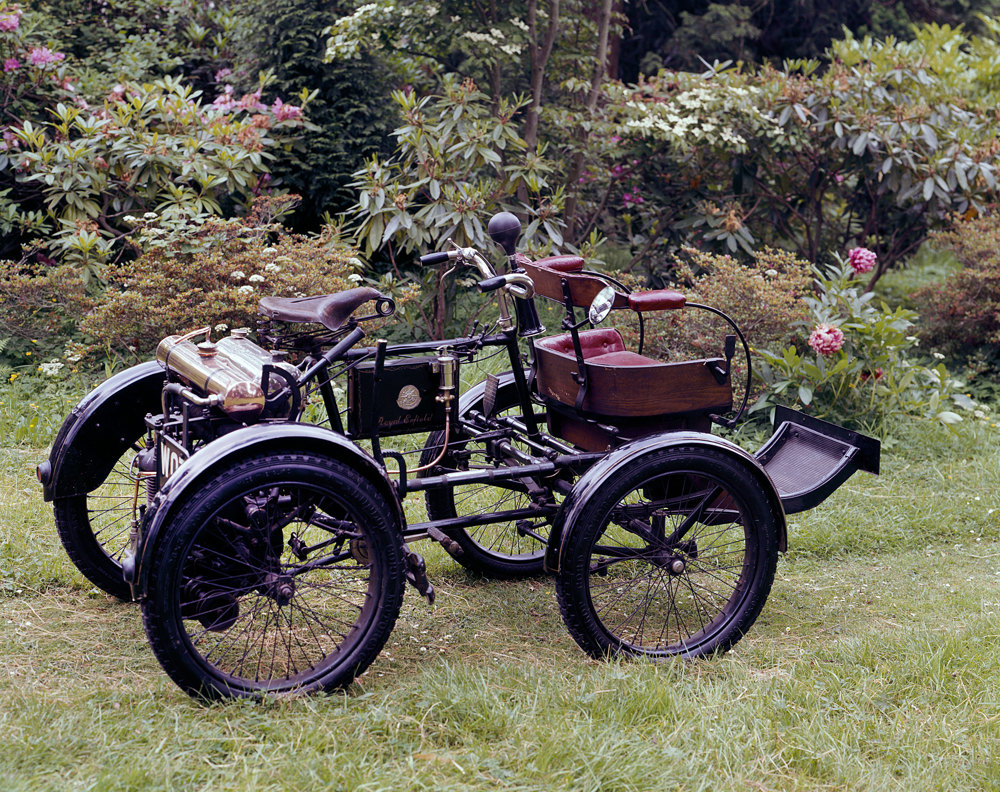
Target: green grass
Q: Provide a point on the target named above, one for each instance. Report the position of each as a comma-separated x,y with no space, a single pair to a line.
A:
874,666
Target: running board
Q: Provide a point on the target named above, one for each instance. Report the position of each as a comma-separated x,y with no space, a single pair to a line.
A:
807,459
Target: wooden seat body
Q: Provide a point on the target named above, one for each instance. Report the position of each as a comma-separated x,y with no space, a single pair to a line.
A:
624,384
626,394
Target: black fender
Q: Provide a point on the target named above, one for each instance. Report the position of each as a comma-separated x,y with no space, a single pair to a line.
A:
99,429
230,450
609,467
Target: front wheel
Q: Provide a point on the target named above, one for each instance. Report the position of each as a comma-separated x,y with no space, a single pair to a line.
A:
282,574
675,555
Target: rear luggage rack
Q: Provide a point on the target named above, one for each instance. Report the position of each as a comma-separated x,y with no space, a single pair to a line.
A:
807,459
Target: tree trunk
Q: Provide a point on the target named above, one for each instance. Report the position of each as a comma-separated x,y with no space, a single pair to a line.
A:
576,168
540,53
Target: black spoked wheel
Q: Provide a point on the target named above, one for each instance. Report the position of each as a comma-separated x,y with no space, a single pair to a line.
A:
283,574
502,548
94,528
675,556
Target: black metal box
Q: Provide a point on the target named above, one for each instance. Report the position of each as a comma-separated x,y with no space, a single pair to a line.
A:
406,398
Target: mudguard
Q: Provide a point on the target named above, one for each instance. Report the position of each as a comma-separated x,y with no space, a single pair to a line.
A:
99,429
229,450
609,467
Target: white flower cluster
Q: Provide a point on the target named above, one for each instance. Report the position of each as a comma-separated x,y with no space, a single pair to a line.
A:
51,368
699,115
493,38
346,34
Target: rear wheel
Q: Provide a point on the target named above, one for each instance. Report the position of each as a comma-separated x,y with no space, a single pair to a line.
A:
282,574
94,528
673,556
504,548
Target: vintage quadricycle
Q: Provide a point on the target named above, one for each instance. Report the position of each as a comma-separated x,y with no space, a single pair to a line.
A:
270,552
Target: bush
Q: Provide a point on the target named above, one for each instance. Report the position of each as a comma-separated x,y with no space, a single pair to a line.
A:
152,147
764,297
39,310
857,364
350,107
962,313
212,273
879,147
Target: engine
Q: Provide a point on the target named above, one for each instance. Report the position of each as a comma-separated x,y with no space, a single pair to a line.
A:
239,377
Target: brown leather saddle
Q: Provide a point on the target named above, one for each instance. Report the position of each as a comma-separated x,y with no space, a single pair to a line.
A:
330,310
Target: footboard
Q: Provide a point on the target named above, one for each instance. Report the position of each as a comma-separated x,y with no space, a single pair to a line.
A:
807,459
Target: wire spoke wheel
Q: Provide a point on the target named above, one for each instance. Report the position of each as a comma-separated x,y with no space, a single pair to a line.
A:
674,556
501,548
283,574
94,528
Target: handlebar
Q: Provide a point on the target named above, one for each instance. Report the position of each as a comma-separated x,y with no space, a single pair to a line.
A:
433,259
491,284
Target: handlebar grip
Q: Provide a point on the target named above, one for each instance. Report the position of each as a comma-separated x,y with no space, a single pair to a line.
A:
491,284
433,259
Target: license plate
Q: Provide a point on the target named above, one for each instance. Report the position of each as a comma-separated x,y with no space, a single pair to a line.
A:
172,455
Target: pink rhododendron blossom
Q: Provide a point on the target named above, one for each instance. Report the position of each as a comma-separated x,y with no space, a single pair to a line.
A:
285,112
632,199
221,74
862,260
11,64
43,56
826,339
224,101
252,102
10,21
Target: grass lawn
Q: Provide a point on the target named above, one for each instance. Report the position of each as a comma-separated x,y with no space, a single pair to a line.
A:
873,666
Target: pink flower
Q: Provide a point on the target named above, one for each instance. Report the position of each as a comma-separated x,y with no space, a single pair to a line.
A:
224,102
11,64
632,199
862,260
43,56
10,21
221,74
826,339
285,112
251,102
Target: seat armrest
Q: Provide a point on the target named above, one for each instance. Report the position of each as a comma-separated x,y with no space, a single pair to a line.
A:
659,300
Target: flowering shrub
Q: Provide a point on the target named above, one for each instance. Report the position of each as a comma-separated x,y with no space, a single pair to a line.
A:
212,272
457,161
151,147
864,367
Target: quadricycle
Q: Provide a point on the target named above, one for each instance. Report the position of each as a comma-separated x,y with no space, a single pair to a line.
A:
270,551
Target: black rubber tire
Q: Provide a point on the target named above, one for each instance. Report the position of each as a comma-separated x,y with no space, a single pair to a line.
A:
94,528
621,593
497,550
231,610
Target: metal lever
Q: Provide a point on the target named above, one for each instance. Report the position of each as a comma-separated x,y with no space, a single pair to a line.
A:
721,373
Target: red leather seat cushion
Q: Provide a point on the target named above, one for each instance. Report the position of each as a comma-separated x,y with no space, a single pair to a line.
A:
601,346
621,359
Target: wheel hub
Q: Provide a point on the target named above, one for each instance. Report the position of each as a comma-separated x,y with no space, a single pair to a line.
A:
280,588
